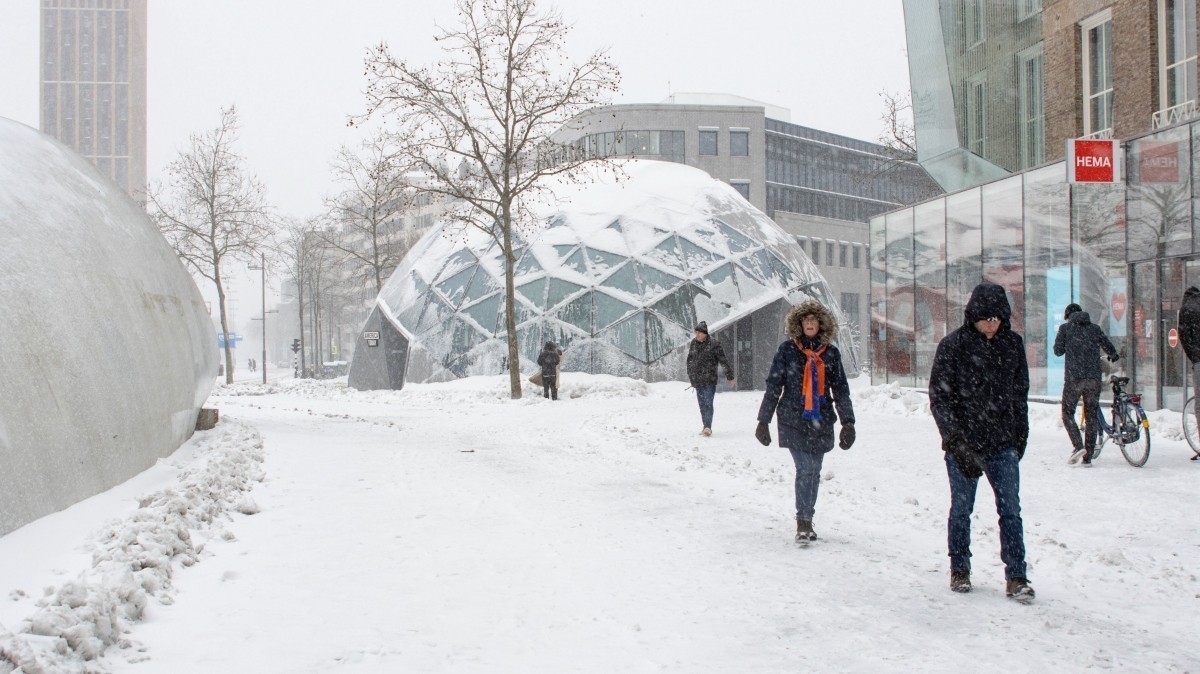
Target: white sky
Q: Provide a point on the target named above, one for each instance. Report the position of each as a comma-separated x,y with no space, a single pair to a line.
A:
447,528
294,67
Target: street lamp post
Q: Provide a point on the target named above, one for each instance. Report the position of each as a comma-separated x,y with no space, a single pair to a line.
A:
263,268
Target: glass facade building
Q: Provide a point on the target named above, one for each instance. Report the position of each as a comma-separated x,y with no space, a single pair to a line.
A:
1125,252
618,275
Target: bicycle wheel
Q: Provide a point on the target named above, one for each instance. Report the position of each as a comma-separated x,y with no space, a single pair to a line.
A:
1132,428
1191,430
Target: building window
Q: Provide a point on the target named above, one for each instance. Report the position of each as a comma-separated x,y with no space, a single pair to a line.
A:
1177,52
1097,75
856,257
1027,8
843,254
829,253
850,307
708,142
815,254
1032,130
974,22
976,113
803,244
742,187
739,142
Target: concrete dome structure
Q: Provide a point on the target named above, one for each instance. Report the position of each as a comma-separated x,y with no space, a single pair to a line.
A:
618,276
108,350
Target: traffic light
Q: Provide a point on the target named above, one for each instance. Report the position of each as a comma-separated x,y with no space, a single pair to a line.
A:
295,345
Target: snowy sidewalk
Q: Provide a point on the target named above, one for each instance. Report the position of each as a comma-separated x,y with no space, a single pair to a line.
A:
601,533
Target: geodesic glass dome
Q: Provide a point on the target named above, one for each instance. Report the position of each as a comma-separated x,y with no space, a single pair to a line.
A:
618,276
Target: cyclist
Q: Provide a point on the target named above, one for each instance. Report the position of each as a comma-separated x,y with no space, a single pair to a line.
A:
1189,338
1081,341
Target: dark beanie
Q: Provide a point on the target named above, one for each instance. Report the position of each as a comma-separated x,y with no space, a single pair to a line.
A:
1072,308
702,327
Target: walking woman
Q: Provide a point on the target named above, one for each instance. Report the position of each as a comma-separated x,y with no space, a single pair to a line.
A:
806,382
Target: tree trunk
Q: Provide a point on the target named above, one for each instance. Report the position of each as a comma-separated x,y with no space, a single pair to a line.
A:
225,331
510,319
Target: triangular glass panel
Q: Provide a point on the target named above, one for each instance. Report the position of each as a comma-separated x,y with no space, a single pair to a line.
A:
628,335
749,287
436,313
527,264
655,282
616,225
486,313
667,254
480,286
534,292
602,262
663,337
575,261
562,249
559,290
609,309
737,242
625,279
680,305
578,312
783,272
454,289
758,263
697,257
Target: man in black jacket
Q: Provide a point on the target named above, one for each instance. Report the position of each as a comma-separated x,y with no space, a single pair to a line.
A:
1081,341
978,394
704,353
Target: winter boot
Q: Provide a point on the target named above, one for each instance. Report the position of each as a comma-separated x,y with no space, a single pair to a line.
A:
960,580
804,531
1018,589
1076,456
706,432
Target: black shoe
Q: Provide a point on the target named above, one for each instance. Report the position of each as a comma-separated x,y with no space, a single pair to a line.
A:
960,580
1018,589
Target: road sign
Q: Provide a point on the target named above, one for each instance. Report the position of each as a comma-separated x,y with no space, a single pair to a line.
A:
1173,338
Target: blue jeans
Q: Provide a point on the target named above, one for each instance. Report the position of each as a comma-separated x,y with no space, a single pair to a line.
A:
808,481
704,396
1003,473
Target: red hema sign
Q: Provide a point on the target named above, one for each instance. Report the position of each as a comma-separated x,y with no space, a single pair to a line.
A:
1093,161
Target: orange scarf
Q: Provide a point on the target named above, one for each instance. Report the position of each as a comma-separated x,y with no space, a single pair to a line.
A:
814,381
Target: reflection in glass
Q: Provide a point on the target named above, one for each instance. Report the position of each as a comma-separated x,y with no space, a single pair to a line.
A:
929,270
899,352
1003,243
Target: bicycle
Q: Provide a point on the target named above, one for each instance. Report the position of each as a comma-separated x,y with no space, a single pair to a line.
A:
1190,430
1130,428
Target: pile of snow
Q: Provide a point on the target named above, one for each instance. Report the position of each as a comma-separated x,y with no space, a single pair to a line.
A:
134,559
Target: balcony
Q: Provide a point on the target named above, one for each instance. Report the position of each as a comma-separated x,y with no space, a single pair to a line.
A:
1184,112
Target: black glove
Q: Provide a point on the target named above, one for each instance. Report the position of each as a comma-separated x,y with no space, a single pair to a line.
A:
968,462
763,433
1114,358
847,436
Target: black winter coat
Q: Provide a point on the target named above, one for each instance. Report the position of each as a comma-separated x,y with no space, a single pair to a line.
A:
784,398
702,360
548,360
1081,341
979,387
1189,324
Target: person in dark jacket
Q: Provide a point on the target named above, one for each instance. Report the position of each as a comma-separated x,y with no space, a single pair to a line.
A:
978,394
548,360
1081,341
805,383
1189,339
704,354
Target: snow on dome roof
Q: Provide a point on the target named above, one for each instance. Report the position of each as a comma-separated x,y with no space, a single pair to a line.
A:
617,274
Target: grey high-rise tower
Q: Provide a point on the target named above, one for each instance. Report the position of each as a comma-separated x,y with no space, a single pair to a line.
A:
93,83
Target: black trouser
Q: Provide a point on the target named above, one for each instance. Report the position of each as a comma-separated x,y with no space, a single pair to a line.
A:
550,386
1090,390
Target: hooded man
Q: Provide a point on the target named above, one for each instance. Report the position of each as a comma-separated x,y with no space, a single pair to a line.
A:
704,354
1081,341
978,394
548,360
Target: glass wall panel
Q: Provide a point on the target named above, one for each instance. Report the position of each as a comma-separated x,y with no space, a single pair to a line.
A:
964,250
1099,271
899,347
929,271
1048,273
1158,205
1004,243
877,259
1145,315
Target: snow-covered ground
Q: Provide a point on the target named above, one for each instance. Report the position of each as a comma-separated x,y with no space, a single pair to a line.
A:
448,528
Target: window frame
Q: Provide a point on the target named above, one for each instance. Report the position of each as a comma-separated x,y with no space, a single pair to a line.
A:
704,132
976,113
1087,92
742,133
1031,124
1166,64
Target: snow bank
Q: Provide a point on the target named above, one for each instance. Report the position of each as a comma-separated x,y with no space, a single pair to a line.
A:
133,560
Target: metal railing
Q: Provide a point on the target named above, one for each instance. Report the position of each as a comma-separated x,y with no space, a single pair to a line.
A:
1175,114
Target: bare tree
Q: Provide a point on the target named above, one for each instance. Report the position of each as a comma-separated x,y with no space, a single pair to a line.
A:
898,134
368,214
478,124
294,248
212,210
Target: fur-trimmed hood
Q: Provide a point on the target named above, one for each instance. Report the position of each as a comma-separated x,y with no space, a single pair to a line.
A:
828,325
